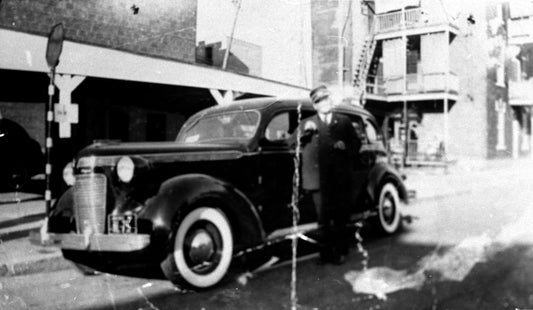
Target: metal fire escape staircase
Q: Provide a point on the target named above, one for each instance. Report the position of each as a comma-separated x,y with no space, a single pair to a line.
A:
363,66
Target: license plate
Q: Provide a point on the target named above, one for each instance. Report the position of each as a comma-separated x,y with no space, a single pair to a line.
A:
122,224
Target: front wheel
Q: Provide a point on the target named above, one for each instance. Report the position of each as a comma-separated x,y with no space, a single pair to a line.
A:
389,217
202,249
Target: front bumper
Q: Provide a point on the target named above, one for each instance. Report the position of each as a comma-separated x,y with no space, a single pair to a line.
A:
94,242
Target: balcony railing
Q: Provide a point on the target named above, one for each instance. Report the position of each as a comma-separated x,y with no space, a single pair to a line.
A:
416,84
411,18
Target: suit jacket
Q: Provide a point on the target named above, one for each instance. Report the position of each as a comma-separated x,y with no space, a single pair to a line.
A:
328,156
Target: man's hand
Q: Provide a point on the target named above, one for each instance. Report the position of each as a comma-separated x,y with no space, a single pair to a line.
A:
309,130
339,145
310,126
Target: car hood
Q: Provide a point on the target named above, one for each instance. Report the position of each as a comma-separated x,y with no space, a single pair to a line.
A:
178,151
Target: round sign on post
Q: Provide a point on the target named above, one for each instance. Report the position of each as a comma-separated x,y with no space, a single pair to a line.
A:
55,45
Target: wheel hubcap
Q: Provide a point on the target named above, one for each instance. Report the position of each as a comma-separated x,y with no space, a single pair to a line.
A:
203,246
388,209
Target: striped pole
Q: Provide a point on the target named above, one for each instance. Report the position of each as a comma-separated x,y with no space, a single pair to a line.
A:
49,142
54,46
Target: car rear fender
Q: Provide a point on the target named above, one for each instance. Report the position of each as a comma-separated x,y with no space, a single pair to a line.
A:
180,194
380,174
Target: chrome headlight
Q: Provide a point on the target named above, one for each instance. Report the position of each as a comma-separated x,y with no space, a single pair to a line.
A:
68,174
125,169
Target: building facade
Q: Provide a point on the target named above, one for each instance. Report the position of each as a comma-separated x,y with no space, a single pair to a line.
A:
519,63
437,75
128,70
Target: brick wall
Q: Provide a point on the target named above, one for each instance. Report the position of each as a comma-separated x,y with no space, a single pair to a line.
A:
164,28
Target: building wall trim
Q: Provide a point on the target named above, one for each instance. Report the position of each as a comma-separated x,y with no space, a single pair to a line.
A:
412,97
26,52
416,31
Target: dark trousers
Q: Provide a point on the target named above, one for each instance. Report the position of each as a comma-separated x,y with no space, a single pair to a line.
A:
332,220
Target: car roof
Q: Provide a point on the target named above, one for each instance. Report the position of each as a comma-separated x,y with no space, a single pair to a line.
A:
278,103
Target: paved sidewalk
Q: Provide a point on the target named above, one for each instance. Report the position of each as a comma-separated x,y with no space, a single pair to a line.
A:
22,214
433,183
16,197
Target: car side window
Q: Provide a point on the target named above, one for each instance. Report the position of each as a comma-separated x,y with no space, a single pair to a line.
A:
371,131
359,127
284,124
278,128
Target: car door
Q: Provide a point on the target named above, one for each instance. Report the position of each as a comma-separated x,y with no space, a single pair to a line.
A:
372,148
363,158
375,145
276,160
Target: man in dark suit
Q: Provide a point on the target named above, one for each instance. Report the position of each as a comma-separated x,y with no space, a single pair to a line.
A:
329,147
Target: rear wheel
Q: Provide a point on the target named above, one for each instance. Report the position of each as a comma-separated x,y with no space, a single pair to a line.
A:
202,249
389,217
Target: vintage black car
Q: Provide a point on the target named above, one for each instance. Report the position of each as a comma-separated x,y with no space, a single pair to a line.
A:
21,158
221,190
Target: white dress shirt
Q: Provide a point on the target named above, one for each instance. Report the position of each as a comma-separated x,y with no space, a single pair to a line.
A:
326,118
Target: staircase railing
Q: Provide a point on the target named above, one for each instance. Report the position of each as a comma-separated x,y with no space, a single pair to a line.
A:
364,62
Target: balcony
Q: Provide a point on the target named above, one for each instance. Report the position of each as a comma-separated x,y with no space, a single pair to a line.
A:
437,82
410,19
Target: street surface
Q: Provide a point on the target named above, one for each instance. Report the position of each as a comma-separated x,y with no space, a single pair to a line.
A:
473,250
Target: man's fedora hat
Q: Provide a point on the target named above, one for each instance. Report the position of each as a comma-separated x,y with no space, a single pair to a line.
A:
319,93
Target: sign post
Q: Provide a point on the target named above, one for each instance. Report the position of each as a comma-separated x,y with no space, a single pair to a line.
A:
53,51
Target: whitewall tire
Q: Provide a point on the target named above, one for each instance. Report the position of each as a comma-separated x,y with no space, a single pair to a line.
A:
203,247
389,215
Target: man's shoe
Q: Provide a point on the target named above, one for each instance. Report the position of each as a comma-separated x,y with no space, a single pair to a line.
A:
341,259
324,259
321,262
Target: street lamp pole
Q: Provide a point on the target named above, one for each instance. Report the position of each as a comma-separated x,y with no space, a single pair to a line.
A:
230,39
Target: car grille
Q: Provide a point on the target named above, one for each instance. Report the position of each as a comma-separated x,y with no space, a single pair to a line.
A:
89,203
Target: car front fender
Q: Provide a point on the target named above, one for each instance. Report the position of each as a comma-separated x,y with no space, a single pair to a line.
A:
61,216
181,194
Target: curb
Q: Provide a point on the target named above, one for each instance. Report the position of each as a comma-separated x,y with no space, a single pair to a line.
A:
55,263
9,199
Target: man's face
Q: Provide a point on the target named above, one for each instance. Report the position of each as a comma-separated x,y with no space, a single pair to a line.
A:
323,106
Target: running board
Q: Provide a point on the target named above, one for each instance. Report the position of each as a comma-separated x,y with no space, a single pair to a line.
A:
299,232
286,233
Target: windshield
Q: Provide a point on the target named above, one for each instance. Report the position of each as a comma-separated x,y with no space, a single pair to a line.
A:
240,125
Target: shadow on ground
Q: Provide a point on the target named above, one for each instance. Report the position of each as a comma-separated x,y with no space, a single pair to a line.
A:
504,281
